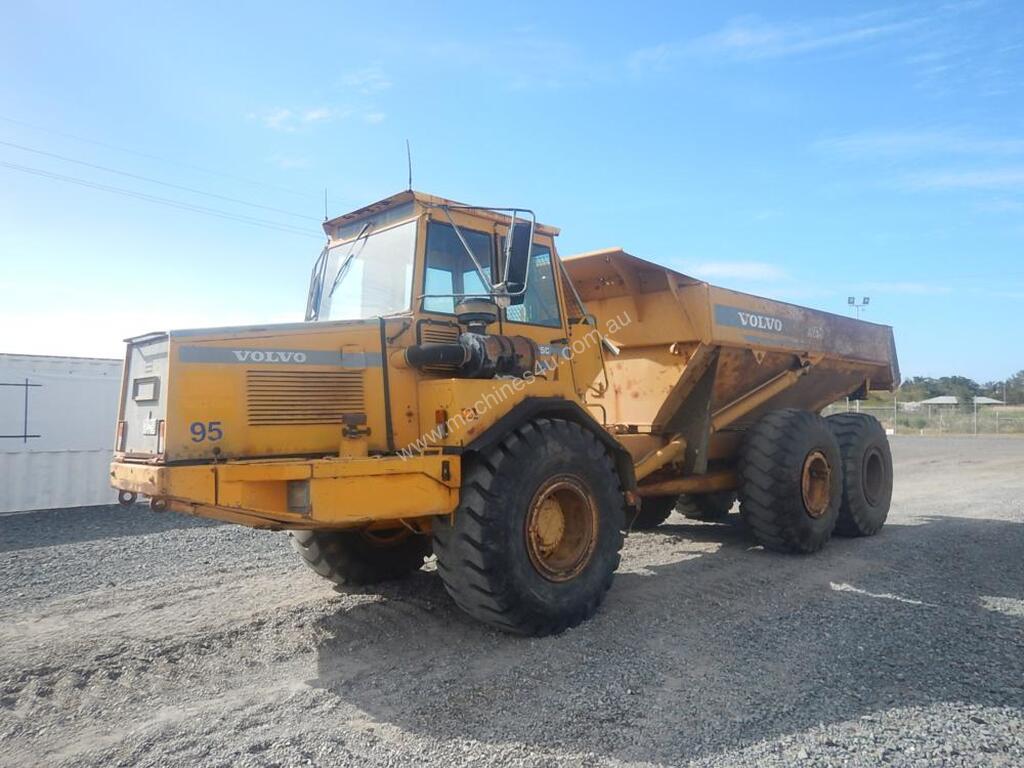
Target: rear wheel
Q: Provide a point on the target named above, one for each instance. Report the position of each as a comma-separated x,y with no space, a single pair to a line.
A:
867,473
534,543
653,511
791,477
361,557
706,506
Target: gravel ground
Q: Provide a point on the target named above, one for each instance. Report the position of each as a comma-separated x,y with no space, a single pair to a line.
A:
137,639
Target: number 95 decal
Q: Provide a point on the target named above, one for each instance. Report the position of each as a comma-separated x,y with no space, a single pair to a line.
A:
205,430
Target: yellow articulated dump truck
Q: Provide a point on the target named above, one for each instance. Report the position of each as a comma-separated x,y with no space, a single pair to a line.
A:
458,388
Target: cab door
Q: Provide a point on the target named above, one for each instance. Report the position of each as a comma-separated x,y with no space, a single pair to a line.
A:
449,272
540,317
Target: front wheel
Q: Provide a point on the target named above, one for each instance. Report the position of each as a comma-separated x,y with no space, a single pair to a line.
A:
534,543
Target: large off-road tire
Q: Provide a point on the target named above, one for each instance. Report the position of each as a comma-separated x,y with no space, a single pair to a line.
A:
791,481
534,543
706,506
351,558
653,511
867,473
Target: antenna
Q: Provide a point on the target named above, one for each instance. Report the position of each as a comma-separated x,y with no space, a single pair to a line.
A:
408,157
325,203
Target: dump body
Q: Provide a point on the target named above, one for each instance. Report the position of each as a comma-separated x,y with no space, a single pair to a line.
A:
708,362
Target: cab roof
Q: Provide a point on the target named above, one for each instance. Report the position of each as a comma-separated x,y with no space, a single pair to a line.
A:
411,195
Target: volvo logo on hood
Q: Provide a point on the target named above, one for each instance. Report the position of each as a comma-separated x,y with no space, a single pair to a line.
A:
269,355
256,356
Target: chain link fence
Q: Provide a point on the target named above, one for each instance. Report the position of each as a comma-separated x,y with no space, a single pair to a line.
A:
939,420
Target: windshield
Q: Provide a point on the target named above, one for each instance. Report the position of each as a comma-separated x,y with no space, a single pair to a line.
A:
370,275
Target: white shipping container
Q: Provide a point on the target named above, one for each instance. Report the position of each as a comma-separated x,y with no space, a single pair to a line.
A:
57,420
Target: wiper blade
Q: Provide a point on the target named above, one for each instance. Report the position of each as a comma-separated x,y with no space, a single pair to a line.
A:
316,285
343,269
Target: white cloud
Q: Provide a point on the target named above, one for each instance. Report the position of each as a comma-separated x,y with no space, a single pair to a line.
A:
904,287
286,163
290,120
524,58
317,115
738,270
367,80
277,119
913,148
909,143
750,37
1000,205
1011,177
287,120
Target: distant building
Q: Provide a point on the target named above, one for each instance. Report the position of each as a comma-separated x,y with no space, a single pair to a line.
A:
941,400
57,419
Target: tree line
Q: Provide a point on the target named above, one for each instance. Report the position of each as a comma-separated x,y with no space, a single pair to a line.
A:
963,388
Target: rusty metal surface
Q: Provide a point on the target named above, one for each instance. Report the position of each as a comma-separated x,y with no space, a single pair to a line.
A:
816,483
711,482
703,363
756,340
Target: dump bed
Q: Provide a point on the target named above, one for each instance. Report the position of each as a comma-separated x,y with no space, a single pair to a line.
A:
678,324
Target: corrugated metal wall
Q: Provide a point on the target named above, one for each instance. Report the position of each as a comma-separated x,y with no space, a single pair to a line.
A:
57,419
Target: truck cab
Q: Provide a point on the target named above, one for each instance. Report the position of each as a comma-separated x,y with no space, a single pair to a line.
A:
326,422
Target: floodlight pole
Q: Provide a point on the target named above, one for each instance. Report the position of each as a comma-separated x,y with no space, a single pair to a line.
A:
858,306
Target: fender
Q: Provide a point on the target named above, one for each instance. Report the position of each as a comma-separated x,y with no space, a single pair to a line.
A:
556,407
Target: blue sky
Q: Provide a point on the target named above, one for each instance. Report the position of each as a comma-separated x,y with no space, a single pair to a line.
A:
803,151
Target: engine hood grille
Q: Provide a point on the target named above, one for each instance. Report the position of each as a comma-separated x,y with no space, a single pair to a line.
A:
303,397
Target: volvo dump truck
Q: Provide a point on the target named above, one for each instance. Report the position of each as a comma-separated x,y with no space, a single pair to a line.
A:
459,389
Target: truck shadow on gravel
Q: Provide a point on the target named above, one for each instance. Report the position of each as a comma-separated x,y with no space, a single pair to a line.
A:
723,647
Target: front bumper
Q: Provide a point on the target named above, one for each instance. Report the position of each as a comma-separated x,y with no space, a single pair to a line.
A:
320,493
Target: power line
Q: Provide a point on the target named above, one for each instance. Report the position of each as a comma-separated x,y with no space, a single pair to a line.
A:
159,158
215,212
151,180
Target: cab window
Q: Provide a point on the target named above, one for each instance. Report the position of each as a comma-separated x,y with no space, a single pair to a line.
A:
540,305
449,270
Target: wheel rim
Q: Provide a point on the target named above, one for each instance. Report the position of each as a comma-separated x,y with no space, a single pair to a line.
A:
561,529
816,484
873,477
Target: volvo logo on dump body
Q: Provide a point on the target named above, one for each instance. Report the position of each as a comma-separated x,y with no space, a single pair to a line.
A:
741,318
268,356
762,322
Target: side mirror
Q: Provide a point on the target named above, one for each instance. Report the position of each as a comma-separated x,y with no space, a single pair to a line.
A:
517,261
